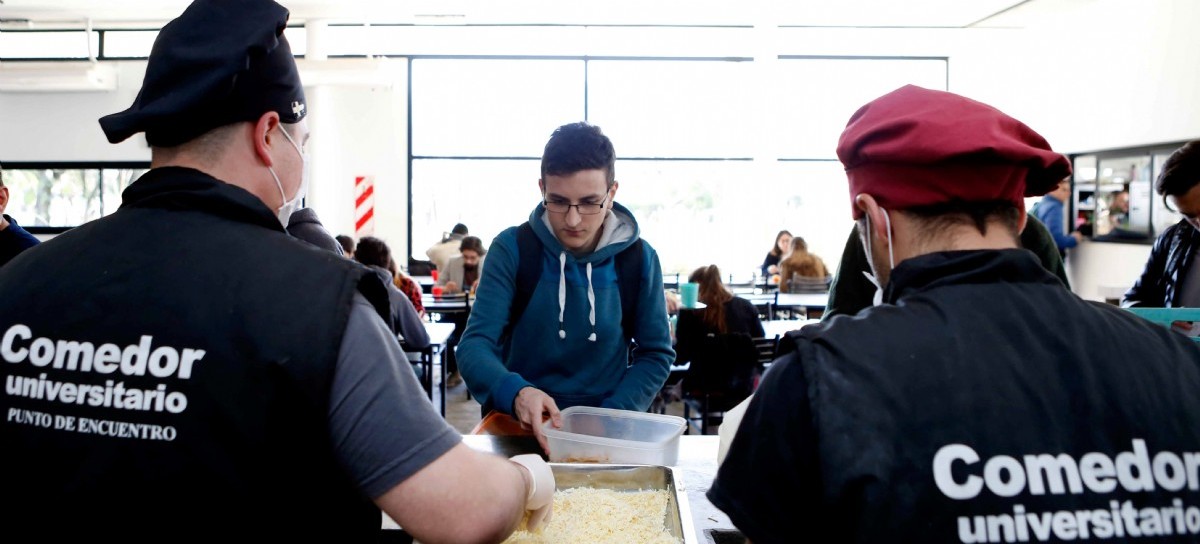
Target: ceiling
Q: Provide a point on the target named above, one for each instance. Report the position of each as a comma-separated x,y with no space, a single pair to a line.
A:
819,13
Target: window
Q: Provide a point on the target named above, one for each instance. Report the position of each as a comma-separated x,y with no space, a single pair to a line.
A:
818,95
683,109
52,198
727,213
492,108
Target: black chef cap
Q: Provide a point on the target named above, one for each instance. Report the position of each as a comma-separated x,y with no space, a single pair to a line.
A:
221,62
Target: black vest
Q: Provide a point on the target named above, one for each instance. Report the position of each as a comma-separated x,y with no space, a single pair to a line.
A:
168,368
990,403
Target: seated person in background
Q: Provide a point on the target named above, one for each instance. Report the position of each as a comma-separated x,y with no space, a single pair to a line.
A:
440,253
406,322
940,415
1171,278
461,272
347,244
723,313
770,264
699,331
305,225
851,291
799,265
408,286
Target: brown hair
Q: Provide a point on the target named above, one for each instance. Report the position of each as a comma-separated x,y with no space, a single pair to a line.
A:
713,294
802,263
1181,171
775,247
472,243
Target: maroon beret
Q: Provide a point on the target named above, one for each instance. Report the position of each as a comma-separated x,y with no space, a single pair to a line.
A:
915,147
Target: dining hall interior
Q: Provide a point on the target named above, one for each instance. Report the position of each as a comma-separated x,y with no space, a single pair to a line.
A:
725,119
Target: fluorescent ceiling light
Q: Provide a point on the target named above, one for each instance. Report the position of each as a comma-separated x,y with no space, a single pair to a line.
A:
37,77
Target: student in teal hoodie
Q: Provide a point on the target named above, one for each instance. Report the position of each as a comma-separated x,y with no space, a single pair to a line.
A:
568,346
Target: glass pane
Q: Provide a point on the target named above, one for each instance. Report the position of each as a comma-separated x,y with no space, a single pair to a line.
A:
48,45
673,108
53,198
1122,199
694,214
1162,216
820,95
115,181
64,197
137,43
492,108
129,43
486,195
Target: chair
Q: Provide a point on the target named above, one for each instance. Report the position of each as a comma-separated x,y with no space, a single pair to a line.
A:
721,374
803,284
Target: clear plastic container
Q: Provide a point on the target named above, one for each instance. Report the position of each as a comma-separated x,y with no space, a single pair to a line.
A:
605,435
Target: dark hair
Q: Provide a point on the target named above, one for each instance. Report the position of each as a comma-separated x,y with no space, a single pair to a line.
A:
347,243
935,219
472,243
775,247
713,294
373,252
577,147
459,228
1181,172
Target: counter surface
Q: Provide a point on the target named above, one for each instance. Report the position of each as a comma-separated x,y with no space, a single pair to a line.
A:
696,468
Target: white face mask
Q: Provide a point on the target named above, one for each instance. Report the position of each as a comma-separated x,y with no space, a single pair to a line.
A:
285,211
878,298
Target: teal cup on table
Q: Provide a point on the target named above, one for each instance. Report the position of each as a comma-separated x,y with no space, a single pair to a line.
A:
688,293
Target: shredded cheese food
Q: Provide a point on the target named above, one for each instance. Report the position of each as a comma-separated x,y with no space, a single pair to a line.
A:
602,516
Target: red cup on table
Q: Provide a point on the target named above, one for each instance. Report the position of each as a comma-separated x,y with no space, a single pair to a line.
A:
434,273
437,290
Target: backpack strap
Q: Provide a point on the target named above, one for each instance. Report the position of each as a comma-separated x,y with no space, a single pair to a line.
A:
628,263
529,270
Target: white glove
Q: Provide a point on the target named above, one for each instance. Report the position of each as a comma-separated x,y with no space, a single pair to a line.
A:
540,498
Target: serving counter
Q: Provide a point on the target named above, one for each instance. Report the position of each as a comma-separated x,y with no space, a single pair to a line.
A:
695,470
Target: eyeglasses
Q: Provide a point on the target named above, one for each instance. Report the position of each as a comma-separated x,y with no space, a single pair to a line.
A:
583,208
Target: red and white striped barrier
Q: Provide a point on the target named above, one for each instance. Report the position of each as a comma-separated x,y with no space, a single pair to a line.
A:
364,206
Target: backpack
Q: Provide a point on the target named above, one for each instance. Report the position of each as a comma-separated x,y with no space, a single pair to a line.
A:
629,264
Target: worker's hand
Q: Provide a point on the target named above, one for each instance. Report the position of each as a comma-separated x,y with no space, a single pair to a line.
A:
1077,236
540,484
531,407
451,287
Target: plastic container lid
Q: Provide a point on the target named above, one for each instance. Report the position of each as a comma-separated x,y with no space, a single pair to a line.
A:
605,435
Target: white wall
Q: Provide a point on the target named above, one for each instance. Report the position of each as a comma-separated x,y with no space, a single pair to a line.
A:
1119,73
360,131
47,127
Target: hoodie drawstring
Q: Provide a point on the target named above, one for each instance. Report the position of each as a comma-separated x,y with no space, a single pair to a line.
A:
591,303
562,297
562,291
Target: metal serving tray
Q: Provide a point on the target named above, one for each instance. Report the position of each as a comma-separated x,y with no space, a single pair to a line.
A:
633,478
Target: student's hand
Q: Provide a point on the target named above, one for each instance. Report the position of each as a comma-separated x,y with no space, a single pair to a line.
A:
1077,236
772,269
451,287
531,407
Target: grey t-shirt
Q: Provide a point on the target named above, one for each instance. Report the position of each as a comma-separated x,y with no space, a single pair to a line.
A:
382,425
